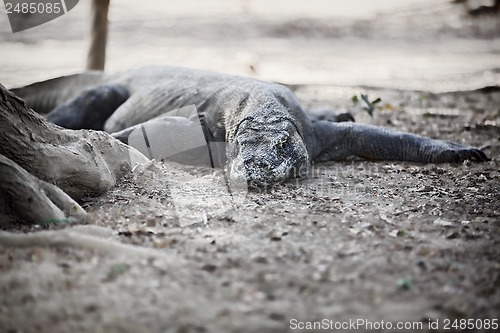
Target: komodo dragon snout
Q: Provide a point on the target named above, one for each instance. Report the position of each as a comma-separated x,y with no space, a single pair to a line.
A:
267,153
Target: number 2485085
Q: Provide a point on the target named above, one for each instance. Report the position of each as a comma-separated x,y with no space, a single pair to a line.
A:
33,8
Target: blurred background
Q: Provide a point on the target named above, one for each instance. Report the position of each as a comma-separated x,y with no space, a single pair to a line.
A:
433,45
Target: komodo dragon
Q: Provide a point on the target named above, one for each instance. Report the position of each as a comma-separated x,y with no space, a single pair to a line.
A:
270,138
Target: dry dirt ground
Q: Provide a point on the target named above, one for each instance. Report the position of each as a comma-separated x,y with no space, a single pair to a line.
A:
358,240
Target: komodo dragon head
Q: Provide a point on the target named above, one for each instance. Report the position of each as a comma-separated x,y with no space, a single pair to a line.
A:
266,151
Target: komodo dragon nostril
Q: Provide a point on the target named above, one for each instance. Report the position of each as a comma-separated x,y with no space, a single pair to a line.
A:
264,165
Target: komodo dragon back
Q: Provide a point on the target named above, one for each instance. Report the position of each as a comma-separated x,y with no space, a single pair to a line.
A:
44,96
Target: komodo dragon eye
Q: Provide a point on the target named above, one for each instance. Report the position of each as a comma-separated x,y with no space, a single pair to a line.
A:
281,145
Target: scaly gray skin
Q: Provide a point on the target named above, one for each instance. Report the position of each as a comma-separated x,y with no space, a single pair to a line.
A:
270,137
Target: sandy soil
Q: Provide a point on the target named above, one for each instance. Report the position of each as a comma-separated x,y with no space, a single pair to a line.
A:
379,241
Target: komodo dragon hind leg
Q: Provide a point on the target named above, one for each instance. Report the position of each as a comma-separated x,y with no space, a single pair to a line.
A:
91,108
337,141
344,117
329,115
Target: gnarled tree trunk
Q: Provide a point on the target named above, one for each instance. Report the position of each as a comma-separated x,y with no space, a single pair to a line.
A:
45,168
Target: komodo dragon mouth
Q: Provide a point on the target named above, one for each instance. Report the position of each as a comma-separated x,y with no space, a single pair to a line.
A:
266,154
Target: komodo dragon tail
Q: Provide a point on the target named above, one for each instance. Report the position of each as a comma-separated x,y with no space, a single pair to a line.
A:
46,95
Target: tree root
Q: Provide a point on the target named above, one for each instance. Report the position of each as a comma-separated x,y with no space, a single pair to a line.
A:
90,238
37,154
80,162
31,200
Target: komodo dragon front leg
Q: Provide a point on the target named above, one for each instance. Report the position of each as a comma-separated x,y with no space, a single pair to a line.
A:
338,141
